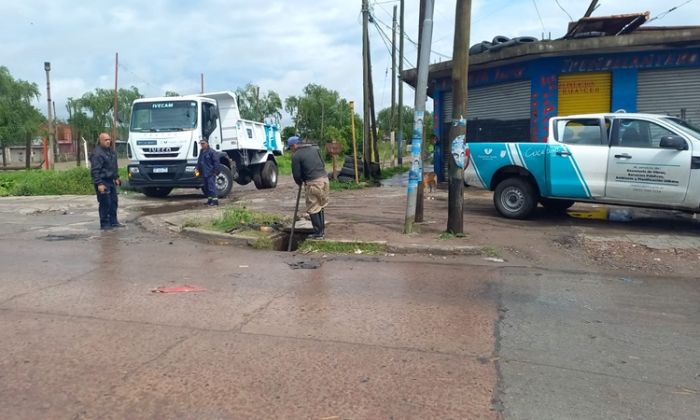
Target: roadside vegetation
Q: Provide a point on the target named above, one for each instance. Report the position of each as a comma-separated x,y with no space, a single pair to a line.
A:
237,218
75,181
333,247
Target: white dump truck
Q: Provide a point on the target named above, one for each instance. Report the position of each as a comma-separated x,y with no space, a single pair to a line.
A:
164,139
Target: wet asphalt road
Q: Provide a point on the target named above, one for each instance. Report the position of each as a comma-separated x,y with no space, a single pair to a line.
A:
83,336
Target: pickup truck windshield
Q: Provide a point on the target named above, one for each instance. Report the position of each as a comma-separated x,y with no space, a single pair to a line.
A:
164,116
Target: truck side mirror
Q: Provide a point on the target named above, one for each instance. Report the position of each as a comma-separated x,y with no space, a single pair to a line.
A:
673,142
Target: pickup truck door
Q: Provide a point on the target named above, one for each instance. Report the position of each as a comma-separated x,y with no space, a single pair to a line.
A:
640,170
576,161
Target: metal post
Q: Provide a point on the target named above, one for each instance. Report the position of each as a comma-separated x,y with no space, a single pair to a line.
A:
115,115
50,155
416,168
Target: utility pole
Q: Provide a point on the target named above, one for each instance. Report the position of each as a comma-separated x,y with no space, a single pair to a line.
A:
591,8
50,155
416,169
201,82
115,114
421,186
399,126
366,148
55,130
460,84
392,124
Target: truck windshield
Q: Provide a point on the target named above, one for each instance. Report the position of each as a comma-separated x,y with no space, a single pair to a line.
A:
164,116
685,125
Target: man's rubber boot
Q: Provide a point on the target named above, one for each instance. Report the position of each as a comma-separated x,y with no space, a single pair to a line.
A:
322,224
316,223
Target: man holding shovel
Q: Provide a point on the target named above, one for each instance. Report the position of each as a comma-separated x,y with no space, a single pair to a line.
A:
308,169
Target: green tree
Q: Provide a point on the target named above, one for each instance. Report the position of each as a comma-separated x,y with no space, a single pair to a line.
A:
93,112
407,116
321,115
255,105
20,121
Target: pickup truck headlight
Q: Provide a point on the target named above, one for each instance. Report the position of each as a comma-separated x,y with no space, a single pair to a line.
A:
134,169
189,169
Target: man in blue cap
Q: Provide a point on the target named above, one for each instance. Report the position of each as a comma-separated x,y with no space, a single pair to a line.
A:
208,168
308,169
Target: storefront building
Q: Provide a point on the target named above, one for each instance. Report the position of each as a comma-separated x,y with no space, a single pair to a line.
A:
514,91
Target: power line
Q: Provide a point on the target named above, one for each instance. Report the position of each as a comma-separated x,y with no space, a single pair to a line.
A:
408,38
564,10
387,41
534,2
663,15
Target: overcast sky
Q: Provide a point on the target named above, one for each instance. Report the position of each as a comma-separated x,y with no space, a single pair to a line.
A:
278,45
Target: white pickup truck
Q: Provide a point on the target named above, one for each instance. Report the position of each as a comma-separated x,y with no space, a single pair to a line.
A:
164,144
639,160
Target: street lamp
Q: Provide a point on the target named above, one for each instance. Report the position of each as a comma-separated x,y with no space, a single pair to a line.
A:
50,154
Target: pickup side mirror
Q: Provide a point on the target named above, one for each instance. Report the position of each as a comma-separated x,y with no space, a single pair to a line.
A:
673,142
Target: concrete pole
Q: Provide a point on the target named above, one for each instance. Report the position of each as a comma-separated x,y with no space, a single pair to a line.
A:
50,155
415,173
421,186
392,121
399,126
460,79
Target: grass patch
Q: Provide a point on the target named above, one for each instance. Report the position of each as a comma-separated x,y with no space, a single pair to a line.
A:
446,236
76,181
332,247
389,172
284,163
490,251
235,218
341,186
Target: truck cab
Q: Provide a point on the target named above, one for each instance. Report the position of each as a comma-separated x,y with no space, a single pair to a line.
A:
164,135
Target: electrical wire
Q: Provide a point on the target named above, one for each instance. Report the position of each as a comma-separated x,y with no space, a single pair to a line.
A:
534,2
564,10
664,14
408,38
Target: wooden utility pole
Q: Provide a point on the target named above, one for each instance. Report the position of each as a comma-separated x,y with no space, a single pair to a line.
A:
414,174
399,126
392,121
366,139
372,111
50,155
115,114
460,79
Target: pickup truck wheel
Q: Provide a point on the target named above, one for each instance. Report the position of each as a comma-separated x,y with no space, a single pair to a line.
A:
268,173
156,192
224,181
515,198
556,206
257,176
244,177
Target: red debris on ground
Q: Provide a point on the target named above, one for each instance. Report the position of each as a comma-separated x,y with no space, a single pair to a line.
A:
178,289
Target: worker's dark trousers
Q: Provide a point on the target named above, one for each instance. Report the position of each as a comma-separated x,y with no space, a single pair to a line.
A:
108,204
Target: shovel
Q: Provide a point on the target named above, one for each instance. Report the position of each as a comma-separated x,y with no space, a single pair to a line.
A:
294,221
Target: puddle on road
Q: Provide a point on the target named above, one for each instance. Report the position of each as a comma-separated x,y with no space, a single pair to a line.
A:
168,209
65,237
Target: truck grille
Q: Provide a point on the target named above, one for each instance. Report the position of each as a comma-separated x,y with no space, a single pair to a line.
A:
160,152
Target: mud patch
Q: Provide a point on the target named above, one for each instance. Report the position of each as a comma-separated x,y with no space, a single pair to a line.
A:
64,237
304,264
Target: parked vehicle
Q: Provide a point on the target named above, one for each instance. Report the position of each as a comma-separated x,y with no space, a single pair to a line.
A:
627,159
164,144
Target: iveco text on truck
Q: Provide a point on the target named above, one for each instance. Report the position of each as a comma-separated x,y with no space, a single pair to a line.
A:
639,160
164,144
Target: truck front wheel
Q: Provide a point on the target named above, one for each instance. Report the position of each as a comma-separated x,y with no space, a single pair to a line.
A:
269,174
156,192
224,181
515,198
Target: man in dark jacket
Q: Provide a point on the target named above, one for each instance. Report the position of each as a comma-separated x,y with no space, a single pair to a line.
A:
105,178
308,169
208,168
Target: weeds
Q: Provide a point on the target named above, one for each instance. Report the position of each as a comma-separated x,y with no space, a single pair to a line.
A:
333,247
235,218
75,181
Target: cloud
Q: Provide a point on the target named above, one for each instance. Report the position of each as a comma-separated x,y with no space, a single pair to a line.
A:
279,45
